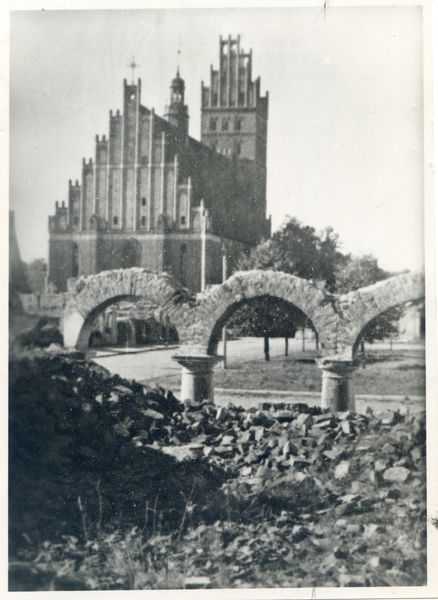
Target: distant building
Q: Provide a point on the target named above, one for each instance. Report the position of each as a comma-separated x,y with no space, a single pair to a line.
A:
152,194
412,325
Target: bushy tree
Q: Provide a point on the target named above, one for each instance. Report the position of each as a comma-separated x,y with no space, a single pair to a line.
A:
383,326
36,272
357,272
362,271
267,317
297,249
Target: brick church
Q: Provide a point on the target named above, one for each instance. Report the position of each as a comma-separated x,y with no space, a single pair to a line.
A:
156,198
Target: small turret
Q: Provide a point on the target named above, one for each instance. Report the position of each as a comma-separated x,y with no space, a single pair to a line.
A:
177,89
177,112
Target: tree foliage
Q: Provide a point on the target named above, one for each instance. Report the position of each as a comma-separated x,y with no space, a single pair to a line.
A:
298,249
357,272
36,272
383,326
267,317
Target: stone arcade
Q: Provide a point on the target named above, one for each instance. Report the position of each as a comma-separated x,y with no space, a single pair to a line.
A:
339,321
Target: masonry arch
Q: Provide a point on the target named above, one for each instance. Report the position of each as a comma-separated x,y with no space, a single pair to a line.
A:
88,323
290,311
360,309
90,296
223,300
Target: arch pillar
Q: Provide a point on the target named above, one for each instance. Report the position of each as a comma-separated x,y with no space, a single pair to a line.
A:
197,376
338,383
71,328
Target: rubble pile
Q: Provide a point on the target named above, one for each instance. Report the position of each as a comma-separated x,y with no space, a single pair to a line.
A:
74,432
283,495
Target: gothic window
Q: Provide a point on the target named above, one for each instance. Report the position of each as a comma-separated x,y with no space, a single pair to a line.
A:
143,201
76,221
225,124
183,264
215,99
170,191
237,124
157,151
183,220
212,124
183,208
116,220
75,260
143,221
128,255
241,98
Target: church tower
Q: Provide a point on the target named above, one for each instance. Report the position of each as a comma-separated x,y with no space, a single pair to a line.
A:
234,120
153,197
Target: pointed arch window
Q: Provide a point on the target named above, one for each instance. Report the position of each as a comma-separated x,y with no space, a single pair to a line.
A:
183,264
213,124
75,260
225,124
128,255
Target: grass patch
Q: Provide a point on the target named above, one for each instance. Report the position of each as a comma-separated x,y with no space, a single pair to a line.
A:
401,373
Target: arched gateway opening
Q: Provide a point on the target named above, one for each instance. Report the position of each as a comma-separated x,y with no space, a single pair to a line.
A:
90,296
291,292
262,317
382,324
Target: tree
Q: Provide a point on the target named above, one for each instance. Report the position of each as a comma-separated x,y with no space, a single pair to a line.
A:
383,326
358,272
36,272
298,250
362,271
267,317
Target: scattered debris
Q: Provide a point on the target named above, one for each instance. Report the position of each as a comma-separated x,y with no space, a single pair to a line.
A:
285,495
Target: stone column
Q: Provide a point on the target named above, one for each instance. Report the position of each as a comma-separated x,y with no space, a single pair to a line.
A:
197,376
338,384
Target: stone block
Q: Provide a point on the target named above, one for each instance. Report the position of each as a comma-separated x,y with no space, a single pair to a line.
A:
396,474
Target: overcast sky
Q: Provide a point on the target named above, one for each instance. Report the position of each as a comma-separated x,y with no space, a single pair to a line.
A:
345,129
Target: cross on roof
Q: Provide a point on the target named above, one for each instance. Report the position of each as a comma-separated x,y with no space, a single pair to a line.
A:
133,65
